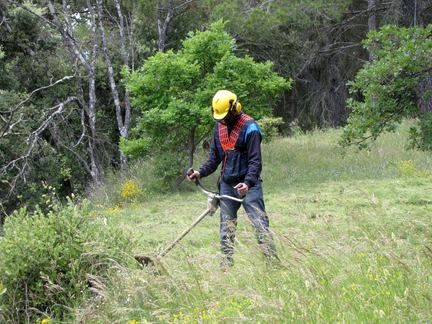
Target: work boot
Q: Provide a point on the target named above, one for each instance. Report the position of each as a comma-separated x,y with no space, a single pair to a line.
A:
273,262
226,263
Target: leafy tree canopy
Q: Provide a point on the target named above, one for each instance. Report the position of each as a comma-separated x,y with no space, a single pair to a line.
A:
392,87
173,90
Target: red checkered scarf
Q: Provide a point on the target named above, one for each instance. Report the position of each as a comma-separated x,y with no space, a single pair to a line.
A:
228,141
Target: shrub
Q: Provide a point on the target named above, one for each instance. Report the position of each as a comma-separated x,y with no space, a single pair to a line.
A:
129,190
270,127
46,260
407,168
167,168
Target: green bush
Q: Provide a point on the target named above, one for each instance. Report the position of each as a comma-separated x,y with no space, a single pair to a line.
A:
168,167
47,260
393,87
270,127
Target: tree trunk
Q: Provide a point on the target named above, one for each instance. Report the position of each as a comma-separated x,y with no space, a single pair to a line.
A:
163,25
126,56
122,126
96,168
88,61
409,13
424,91
372,20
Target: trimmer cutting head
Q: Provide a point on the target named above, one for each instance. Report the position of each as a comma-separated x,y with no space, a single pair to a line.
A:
144,260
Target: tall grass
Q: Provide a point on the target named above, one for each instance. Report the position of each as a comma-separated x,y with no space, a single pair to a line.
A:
353,232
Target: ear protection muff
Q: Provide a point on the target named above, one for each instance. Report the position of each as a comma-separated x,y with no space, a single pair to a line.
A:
238,106
235,106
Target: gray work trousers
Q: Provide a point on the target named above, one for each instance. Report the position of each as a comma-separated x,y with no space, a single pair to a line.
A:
254,206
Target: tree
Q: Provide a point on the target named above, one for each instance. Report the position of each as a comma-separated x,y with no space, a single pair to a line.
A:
88,61
123,116
174,91
35,79
315,42
165,16
393,87
56,111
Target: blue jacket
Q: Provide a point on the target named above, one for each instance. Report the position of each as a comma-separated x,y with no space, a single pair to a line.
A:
243,164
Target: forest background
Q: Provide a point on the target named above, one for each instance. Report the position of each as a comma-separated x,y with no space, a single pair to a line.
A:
64,65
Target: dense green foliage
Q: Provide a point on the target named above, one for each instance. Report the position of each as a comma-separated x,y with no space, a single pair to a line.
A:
388,89
29,50
315,43
34,58
49,262
295,36
174,91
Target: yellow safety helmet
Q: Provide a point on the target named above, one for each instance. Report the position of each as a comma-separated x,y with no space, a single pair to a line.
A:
223,102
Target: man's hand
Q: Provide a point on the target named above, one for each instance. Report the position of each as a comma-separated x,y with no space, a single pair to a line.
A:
192,175
242,189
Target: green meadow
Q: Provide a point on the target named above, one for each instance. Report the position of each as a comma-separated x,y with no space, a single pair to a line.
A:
353,231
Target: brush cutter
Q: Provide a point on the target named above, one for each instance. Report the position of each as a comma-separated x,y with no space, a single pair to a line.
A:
213,199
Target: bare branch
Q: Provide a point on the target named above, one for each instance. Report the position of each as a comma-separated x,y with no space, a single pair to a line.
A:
32,12
182,5
21,163
68,77
111,17
8,128
125,54
130,32
9,125
3,19
65,31
77,156
83,133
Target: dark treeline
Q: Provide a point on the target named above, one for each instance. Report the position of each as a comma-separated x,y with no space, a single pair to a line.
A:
64,108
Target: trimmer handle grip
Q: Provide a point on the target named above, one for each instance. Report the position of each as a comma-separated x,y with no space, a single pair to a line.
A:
189,172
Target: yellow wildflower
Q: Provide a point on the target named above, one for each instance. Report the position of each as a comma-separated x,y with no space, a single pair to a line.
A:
407,168
129,190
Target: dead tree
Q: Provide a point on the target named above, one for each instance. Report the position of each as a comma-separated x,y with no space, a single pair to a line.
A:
128,60
123,112
163,24
88,61
165,16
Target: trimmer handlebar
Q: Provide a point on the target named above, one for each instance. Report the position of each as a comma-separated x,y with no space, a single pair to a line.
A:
213,199
209,192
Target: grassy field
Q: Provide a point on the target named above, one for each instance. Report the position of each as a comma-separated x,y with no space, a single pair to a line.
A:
353,231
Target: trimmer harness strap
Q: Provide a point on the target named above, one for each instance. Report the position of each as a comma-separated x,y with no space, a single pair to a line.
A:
228,141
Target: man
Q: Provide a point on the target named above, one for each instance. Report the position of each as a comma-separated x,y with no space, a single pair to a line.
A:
237,144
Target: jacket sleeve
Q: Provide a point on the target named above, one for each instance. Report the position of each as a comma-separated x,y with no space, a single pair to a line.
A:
213,161
253,144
